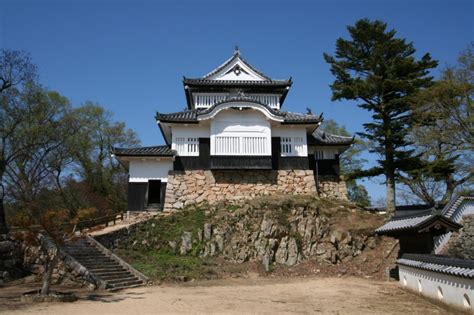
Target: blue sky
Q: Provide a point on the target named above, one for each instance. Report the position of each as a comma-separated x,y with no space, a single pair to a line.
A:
130,56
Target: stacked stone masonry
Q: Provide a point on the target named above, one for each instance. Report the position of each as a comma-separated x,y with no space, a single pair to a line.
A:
461,244
332,186
19,258
190,187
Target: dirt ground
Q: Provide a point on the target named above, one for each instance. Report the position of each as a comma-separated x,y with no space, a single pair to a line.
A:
251,295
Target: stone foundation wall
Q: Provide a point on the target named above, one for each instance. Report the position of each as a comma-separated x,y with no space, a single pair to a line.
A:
11,259
332,186
461,244
19,258
189,187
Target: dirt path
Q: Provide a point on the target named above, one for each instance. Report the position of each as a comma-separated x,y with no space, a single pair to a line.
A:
133,219
316,295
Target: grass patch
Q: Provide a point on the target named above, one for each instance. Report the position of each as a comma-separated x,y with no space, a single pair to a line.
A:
158,232
159,265
172,227
148,249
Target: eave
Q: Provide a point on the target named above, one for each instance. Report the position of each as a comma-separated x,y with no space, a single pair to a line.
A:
434,223
199,85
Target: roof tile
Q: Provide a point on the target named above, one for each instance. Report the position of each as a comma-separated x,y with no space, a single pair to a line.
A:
447,265
325,138
193,114
160,150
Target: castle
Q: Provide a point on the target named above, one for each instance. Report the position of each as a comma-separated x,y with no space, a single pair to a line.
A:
233,141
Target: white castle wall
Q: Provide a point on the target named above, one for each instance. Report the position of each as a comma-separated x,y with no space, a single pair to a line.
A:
143,170
453,290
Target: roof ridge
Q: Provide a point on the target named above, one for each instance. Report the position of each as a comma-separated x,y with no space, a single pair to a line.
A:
191,115
236,55
158,150
276,81
223,65
333,134
423,213
143,147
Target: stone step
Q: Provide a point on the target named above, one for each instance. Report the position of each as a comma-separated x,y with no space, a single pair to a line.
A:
102,261
123,280
118,288
84,252
94,266
107,270
115,275
125,284
92,259
112,277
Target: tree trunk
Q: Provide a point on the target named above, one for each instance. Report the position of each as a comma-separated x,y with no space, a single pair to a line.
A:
390,184
48,274
3,222
450,187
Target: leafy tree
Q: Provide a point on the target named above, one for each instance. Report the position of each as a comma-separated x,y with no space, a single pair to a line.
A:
54,159
99,133
350,162
380,71
444,135
54,156
17,72
45,129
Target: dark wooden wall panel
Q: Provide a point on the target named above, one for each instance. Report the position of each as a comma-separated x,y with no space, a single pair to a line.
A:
241,162
276,152
328,167
421,243
293,163
137,196
163,195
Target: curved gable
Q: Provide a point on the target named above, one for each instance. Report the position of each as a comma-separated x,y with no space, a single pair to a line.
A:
240,105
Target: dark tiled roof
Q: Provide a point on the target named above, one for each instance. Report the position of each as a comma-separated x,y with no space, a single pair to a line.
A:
453,205
403,210
300,118
160,150
188,116
235,56
324,138
447,265
412,217
403,223
415,223
192,115
274,83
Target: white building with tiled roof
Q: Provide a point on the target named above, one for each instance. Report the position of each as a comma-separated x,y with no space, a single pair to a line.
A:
233,131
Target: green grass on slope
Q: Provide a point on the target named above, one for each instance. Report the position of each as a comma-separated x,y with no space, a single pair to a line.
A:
160,265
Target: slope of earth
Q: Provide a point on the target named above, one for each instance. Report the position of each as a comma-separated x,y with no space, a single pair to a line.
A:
275,236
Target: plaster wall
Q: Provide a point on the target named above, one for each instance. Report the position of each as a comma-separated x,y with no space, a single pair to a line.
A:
453,290
248,123
143,170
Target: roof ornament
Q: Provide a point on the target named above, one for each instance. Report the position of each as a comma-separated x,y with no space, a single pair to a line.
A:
237,50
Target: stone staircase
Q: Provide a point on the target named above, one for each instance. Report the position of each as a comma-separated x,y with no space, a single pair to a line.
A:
154,207
106,266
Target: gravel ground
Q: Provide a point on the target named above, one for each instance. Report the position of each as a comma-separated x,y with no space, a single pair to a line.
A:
251,295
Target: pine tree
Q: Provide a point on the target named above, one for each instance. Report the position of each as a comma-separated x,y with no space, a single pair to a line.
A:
380,71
